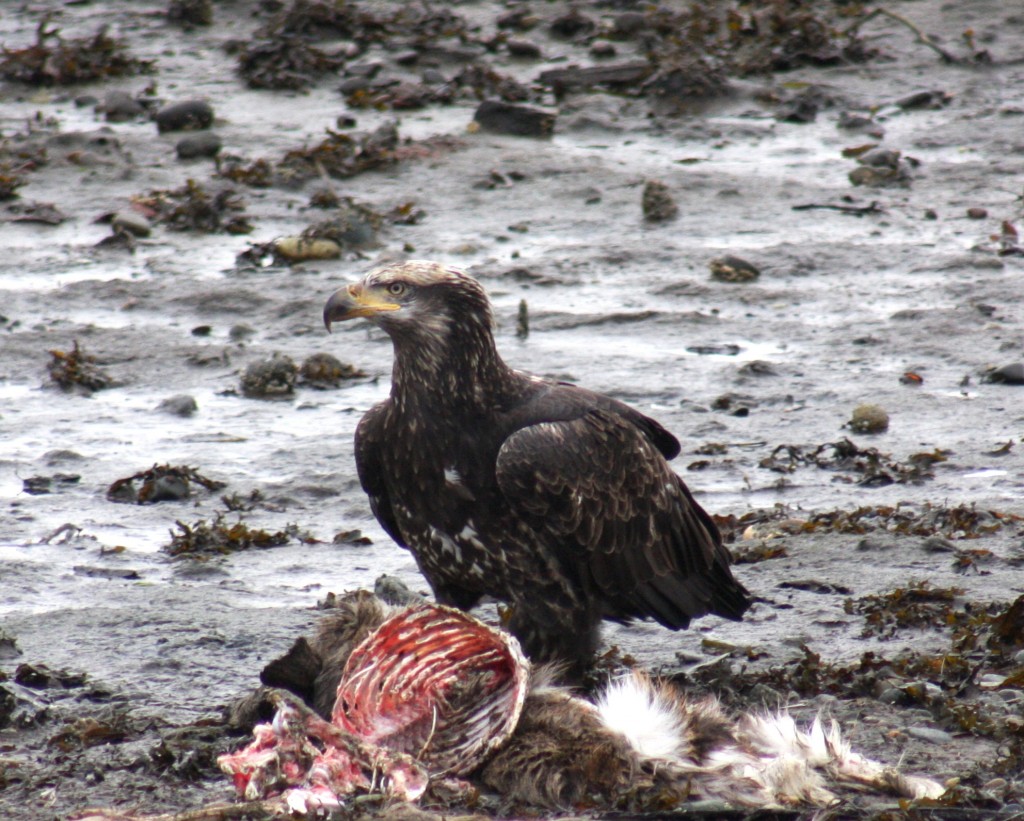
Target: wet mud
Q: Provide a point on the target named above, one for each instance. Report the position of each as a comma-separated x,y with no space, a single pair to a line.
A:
798,251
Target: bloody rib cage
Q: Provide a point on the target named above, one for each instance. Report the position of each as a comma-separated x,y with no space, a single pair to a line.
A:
430,692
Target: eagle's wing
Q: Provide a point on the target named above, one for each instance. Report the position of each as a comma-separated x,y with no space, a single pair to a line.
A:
596,491
369,434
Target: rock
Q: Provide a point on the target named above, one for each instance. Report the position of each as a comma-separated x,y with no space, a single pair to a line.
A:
924,99
511,118
657,202
205,144
603,50
571,24
733,269
869,419
324,370
298,249
623,75
629,24
120,107
938,544
1012,374
930,734
180,405
191,115
8,646
523,48
191,12
132,222
977,213
272,378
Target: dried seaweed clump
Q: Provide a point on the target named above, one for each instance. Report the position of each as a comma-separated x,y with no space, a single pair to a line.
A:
341,155
755,38
205,537
52,60
161,483
75,370
193,208
10,182
871,466
415,23
272,378
916,605
324,370
958,522
284,62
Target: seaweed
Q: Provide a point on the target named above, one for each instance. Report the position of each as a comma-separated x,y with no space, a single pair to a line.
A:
52,60
340,155
873,467
284,62
192,208
75,370
324,370
203,538
160,483
916,605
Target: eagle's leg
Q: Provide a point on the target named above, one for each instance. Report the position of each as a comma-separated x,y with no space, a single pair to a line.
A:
568,637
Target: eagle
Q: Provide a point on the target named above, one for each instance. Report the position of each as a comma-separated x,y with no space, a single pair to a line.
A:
556,500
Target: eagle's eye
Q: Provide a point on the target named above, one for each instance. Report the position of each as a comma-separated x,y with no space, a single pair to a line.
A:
396,288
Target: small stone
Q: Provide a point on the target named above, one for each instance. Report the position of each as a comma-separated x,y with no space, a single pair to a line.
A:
324,370
298,249
733,269
192,115
657,202
180,405
270,379
523,49
204,144
930,214
628,24
938,544
930,734
977,213
869,419
120,107
602,49
240,332
517,120
135,224
872,177
1012,374
880,158
893,695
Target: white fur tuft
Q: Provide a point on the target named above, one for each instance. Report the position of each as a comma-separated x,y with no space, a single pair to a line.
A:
633,708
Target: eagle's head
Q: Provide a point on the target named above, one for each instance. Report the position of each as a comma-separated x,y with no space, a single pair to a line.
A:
415,302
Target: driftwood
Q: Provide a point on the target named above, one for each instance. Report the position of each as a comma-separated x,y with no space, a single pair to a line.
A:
567,79
922,38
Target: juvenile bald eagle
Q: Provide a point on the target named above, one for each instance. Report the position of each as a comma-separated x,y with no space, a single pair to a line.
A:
552,498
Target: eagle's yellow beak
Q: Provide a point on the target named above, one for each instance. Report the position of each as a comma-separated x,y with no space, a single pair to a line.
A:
354,301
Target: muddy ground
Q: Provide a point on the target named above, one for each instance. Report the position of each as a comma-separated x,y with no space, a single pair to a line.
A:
884,560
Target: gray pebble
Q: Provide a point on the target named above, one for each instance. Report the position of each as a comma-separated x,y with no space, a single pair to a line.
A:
180,405
869,419
658,203
203,144
930,734
120,106
191,115
1012,374
937,544
135,224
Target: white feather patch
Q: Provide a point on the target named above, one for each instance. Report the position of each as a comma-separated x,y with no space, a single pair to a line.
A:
636,710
